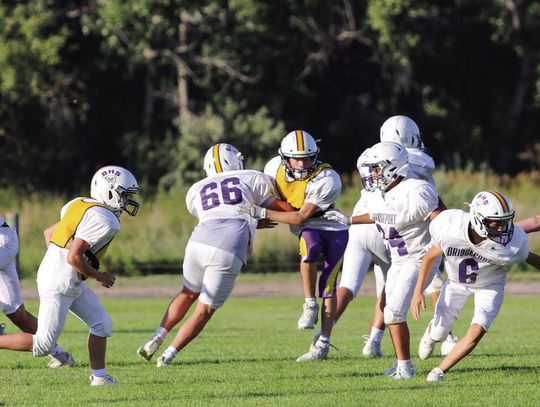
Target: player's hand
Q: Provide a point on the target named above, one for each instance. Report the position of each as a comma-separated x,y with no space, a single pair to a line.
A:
255,211
266,224
417,301
106,279
338,217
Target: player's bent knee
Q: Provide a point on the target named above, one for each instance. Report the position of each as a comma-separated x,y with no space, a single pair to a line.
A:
391,317
102,328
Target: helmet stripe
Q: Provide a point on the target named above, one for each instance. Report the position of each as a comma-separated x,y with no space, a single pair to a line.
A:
217,161
502,200
300,140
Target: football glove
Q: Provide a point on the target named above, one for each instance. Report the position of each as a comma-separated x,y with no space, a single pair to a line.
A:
252,210
338,217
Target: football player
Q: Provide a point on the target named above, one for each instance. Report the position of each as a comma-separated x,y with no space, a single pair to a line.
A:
10,295
218,247
401,209
478,247
311,188
403,130
75,245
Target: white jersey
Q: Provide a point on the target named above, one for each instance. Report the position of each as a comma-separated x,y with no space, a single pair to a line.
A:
475,265
421,165
402,216
322,191
214,200
97,227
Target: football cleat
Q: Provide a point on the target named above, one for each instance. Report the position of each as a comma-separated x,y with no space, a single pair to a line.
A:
309,317
149,348
426,345
372,349
164,361
317,352
101,380
62,359
403,372
448,344
391,370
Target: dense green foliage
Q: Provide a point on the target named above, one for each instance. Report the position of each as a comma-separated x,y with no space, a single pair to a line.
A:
245,357
149,84
154,240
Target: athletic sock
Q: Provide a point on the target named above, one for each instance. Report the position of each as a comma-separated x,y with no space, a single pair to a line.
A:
376,334
99,372
311,301
57,349
161,333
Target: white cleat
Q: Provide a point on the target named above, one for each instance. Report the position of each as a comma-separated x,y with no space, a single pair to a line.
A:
391,370
448,344
62,359
101,380
436,375
164,361
372,349
426,345
149,348
317,352
309,317
403,372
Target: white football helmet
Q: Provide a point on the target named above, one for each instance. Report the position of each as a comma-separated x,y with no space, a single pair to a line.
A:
492,216
222,157
113,186
402,130
298,144
382,164
363,170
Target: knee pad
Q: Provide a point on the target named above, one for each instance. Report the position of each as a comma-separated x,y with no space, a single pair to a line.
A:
102,328
393,318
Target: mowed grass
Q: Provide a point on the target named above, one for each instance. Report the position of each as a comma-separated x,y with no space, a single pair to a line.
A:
246,356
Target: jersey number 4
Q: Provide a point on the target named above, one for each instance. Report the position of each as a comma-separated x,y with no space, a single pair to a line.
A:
214,194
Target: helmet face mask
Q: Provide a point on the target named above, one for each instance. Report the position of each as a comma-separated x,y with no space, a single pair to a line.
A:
114,186
402,130
383,164
492,216
300,145
222,157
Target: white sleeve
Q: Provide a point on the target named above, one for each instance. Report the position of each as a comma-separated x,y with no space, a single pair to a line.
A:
96,226
263,190
190,201
324,189
271,167
422,202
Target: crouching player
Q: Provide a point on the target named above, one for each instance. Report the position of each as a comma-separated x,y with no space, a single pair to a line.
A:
478,247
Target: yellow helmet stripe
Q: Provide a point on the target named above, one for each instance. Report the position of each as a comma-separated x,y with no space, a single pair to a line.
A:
300,140
217,161
502,200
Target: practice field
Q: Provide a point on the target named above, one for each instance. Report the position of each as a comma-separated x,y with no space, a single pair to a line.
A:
246,356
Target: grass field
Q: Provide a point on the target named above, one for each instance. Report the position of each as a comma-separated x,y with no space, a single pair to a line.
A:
246,356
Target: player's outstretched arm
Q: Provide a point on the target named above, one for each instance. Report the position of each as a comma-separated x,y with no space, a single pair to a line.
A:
418,299
531,224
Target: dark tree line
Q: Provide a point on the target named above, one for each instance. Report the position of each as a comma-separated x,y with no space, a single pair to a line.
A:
150,84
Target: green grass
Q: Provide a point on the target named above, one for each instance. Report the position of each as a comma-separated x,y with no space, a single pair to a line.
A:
246,356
